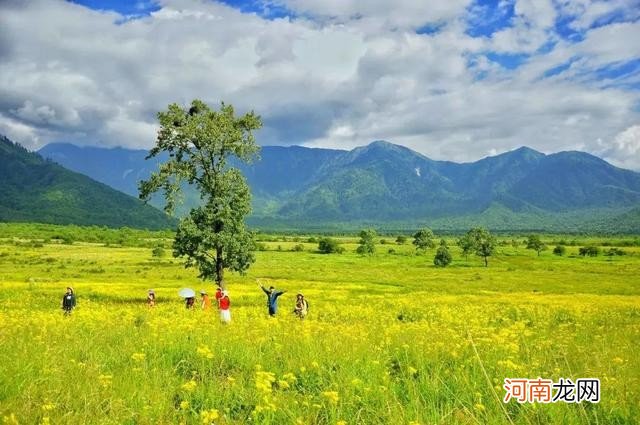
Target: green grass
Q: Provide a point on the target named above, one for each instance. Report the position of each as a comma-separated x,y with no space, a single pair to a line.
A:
390,338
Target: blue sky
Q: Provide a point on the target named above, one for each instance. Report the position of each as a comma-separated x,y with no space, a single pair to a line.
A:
453,79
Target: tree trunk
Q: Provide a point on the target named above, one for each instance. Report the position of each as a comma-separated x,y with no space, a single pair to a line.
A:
219,268
486,262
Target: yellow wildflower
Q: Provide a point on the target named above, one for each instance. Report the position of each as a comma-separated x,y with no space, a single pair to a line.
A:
331,396
138,357
190,386
208,416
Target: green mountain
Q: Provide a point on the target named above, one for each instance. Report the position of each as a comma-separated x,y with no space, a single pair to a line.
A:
35,189
387,185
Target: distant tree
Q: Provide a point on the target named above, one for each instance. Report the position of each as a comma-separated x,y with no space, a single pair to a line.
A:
367,244
401,240
534,242
423,239
559,250
298,248
480,241
198,142
329,246
158,251
443,256
466,244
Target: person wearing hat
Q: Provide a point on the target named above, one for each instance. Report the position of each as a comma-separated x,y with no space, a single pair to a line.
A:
151,298
68,301
302,306
225,303
206,302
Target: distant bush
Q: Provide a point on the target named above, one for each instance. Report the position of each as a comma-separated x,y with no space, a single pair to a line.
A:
391,251
329,246
158,252
383,241
443,256
614,251
400,240
559,250
260,246
312,240
298,248
589,251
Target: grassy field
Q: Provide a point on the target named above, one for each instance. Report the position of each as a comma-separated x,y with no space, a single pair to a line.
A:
390,339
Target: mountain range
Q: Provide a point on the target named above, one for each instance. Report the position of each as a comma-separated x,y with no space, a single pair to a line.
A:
387,185
39,190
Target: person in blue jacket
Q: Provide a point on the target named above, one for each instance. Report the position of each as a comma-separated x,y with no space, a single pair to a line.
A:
272,298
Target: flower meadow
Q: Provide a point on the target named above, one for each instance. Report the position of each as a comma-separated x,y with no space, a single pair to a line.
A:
389,339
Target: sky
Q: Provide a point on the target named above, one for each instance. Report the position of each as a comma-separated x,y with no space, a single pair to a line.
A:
453,79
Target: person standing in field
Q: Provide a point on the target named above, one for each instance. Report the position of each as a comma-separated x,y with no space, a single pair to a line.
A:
68,301
302,306
206,302
224,303
218,295
272,298
151,298
189,302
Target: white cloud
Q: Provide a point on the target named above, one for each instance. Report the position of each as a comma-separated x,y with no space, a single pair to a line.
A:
624,150
352,72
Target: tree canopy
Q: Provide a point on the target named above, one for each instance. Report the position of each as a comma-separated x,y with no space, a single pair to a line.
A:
534,242
199,141
480,241
423,239
367,244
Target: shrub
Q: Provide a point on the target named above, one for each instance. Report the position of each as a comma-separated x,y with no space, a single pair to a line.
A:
400,240
443,256
158,252
329,246
559,250
589,251
298,248
614,251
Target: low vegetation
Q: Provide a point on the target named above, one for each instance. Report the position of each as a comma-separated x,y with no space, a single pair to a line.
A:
390,338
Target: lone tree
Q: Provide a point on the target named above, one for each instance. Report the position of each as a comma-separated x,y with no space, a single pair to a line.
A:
199,141
367,244
443,256
480,241
534,242
466,245
423,240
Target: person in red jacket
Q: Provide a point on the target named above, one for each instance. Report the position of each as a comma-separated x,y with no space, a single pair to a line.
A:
225,304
